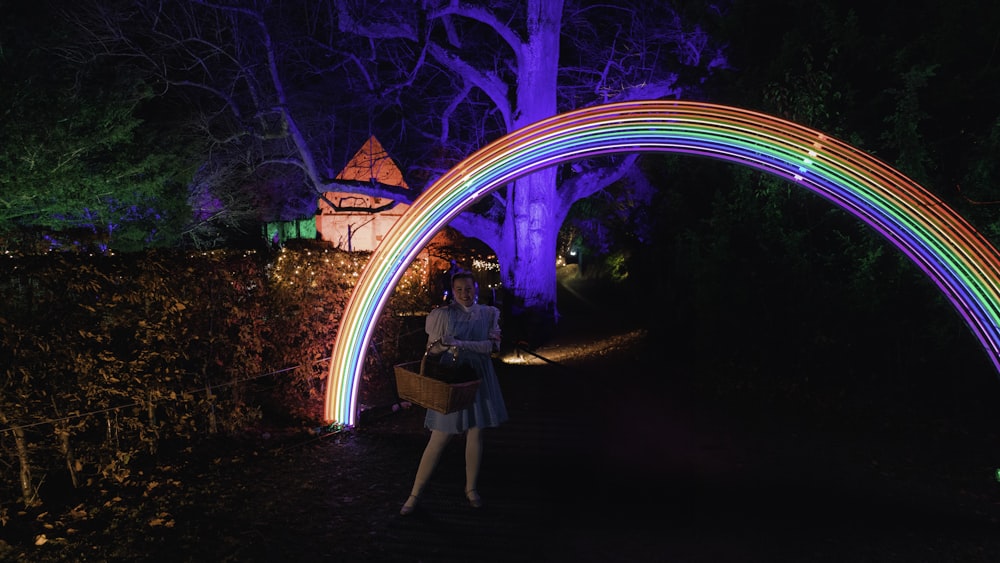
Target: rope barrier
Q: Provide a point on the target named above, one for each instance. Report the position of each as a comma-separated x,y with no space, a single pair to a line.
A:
207,389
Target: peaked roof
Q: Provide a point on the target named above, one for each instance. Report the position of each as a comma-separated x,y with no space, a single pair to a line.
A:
371,162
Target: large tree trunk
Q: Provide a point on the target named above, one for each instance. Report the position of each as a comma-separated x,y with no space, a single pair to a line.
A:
527,257
528,247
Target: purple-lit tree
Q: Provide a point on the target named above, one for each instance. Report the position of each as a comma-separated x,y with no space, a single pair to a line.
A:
479,71
297,84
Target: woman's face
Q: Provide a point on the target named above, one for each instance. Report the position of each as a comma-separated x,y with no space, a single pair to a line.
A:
464,291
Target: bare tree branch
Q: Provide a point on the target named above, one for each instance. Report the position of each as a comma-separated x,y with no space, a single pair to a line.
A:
495,88
291,88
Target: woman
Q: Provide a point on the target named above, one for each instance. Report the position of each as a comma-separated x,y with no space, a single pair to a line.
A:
470,332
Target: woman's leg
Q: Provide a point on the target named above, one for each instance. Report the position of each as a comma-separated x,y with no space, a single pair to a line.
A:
473,458
428,461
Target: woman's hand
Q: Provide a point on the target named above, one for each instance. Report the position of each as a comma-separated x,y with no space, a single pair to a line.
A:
438,347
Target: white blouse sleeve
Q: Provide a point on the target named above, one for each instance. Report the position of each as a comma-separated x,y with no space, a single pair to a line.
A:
436,324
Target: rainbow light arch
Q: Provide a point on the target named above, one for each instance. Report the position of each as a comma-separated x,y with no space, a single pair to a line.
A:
963,264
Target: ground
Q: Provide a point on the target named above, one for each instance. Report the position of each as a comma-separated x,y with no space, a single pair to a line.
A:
607,457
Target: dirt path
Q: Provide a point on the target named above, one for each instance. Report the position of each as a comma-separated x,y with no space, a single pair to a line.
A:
588,469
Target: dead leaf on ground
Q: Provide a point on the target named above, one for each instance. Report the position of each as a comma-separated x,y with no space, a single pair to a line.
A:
78,512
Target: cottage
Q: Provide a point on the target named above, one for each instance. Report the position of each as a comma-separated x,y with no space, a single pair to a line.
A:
355,221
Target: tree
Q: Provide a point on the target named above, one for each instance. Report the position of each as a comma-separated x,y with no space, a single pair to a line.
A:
776,264
489,70
79,158
287,84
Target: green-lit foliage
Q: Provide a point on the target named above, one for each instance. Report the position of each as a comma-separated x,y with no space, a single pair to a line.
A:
80,167
78,158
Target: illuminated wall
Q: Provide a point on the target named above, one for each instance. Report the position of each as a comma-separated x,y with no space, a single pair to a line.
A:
959,260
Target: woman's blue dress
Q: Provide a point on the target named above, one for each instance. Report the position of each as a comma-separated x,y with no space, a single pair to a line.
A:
472,326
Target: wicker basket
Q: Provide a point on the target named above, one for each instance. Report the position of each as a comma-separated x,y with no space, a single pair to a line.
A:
412,385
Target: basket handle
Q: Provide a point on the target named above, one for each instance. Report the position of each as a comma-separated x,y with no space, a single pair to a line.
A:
423,360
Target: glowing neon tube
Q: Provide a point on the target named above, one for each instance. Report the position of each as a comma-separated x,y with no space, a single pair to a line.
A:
963,264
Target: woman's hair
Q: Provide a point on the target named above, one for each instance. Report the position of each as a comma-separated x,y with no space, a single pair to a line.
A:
464,276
